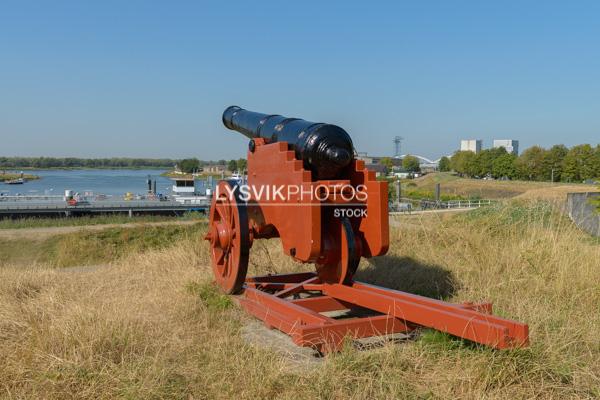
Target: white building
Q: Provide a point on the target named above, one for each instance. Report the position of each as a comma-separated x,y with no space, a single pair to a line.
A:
511,146
473,145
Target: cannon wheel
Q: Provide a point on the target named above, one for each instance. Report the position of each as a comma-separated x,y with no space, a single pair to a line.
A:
350,254
348,258
228,234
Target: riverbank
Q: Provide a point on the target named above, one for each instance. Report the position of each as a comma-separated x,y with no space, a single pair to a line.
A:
10,176
179,175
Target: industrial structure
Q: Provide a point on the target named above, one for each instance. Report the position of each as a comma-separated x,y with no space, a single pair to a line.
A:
398,146
333,230
473,145
511,145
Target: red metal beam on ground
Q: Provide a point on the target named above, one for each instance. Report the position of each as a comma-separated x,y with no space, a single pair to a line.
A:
464,323
285,307
282,278
516,330
276,286
299,287
321,304
303,321
331,336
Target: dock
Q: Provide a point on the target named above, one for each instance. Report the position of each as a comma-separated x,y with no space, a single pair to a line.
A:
34,207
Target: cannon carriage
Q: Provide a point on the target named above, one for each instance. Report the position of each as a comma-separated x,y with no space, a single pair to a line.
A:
306,187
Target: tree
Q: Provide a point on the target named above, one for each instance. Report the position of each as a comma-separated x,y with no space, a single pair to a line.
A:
444,164
387,163
578,163
463,162
504,166
596,161
189,165
411,164
242,164
530,164
588,158
392,189
72,162
232,165
553,162
484,161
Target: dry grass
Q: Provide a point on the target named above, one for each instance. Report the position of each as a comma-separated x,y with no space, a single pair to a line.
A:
151,326
95,244
92,220
494,189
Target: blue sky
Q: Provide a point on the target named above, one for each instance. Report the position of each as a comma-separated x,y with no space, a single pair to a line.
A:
151,79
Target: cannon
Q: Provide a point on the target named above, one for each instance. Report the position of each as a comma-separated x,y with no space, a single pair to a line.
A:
306,187
325,149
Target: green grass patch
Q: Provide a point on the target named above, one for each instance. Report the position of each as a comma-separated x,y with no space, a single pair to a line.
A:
94,247
24,252
210,295
514,214
419,194
88,248
440,340
596,202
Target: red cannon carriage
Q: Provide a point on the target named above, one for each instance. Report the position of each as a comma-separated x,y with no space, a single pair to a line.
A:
306,187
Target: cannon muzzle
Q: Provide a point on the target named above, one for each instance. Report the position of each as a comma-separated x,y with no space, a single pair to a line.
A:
325,149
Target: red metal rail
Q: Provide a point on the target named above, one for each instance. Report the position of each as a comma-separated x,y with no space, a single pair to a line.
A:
295,304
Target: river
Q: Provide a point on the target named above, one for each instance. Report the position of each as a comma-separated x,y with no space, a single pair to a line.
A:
99,181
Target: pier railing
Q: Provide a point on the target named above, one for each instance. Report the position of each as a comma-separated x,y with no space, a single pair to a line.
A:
40,207
407,204
432,204
33,197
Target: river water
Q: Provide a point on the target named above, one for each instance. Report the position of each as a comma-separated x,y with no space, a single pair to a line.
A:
113,182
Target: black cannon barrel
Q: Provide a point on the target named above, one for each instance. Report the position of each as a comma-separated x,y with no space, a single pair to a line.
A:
325,149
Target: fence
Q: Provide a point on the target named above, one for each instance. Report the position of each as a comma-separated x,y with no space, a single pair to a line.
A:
583,213
428,204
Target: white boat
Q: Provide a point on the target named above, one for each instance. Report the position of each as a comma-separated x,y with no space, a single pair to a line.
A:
185,191
239,178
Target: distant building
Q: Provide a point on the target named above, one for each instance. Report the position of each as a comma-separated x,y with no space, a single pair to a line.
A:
473,145
376,160
379,169
511,146
367,158
215,169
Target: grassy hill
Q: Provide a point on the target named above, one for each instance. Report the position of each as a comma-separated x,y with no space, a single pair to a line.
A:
149,324
495,189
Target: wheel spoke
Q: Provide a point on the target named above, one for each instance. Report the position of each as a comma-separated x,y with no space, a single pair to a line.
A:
221,209
227,265
228,213
220,255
